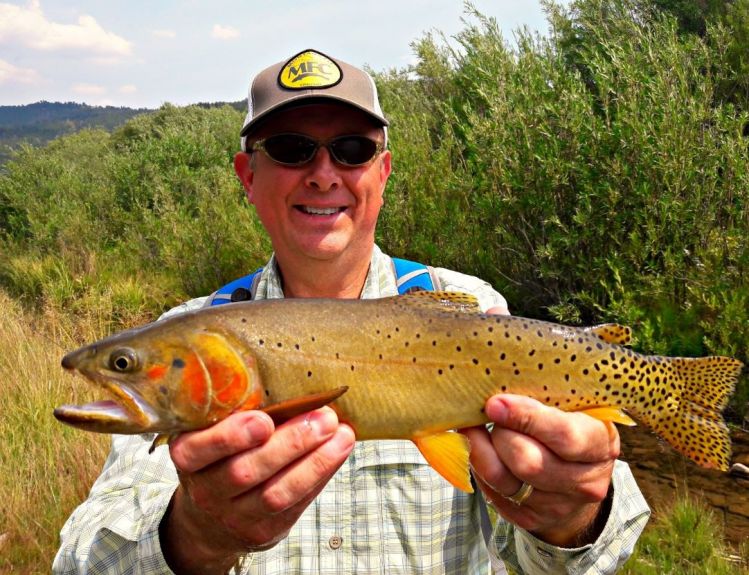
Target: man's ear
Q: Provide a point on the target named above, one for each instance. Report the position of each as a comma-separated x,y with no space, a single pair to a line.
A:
386,169
244,171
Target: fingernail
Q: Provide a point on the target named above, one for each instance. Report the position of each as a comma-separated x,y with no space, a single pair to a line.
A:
322,422
496,410
342,441
257,429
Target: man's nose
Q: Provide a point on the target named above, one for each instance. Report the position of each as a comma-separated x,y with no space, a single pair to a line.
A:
324,174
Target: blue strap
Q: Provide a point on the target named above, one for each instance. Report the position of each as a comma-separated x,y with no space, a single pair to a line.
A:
411,275
408,276
239,290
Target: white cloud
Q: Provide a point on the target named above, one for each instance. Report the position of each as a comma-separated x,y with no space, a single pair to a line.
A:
224,32
89,89
128,89
168,34
28,26
10,74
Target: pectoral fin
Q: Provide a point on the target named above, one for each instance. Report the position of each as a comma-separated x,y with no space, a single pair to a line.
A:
161,439
285,410
448,453
612,414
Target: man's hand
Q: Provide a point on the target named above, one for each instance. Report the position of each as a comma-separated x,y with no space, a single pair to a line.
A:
243,485
568,458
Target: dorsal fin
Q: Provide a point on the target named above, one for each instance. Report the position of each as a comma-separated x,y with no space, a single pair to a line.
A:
448,301
612,333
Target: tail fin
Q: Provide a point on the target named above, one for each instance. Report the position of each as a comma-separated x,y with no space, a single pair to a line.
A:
693,399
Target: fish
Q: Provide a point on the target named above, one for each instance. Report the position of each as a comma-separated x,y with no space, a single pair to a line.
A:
417,366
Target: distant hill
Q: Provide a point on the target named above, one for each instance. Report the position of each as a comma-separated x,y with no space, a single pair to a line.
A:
38,123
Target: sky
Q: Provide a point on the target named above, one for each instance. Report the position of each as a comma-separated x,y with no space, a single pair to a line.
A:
144,53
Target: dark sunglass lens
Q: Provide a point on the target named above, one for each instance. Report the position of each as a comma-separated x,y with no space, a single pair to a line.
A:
290,148
353,150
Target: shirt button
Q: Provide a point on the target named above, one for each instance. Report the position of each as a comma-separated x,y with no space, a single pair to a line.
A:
335,542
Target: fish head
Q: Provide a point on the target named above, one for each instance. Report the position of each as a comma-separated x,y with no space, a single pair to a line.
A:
162,378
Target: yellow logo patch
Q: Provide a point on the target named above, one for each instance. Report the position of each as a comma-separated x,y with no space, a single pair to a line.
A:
309,69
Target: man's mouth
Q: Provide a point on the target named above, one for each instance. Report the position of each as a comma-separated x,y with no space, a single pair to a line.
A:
320,211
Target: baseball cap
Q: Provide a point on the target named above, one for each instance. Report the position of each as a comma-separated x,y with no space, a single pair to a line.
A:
309,75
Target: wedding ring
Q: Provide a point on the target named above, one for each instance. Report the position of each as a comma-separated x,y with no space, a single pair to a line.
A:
521,494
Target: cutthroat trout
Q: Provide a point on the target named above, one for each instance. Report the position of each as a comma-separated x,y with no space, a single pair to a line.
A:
411,367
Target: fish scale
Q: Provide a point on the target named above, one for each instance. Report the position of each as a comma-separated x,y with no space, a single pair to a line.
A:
412,367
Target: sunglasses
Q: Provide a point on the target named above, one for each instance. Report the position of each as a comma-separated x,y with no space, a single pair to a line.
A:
298,149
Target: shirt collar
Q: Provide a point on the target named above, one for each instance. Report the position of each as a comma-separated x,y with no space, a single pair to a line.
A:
380,281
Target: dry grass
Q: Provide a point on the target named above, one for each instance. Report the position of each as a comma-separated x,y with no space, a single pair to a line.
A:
46,468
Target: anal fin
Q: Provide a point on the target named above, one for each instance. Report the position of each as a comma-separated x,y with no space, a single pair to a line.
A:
285,410
613,414
447,453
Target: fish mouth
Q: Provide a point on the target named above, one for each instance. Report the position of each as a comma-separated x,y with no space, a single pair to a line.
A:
125,412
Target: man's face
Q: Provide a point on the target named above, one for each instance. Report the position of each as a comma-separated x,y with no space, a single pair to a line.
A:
320,210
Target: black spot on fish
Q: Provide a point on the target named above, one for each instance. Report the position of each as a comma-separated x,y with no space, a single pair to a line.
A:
163,389
267,393
178,362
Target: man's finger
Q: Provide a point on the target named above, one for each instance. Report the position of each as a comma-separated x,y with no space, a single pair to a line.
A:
573,437
307,474
237,433
290,442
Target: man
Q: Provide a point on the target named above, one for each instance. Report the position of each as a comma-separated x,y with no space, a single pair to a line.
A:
303,497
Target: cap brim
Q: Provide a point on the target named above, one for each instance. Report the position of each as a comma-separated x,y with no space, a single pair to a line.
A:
303,100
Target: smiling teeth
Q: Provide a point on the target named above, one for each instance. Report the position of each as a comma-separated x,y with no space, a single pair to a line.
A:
320,211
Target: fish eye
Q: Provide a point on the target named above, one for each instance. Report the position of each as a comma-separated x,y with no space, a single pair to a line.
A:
123,360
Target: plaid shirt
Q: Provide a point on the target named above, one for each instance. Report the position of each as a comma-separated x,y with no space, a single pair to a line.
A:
385,511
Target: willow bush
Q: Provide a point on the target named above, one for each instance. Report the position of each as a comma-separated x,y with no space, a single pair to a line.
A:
590,175
151,212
